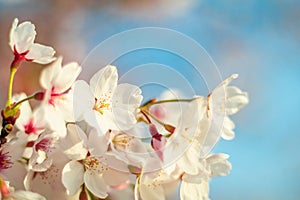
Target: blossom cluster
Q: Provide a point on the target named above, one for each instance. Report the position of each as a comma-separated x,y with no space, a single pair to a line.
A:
97,140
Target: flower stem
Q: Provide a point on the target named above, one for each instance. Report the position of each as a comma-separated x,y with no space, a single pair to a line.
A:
23,100
13,71
150,103
153,117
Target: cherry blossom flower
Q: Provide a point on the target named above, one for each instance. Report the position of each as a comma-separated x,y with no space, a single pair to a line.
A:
104,104
30,122
58,98
89,164
197,186
185,135
10,168
43,149
150,182
48,181
124,146
149,188
224,100
21,41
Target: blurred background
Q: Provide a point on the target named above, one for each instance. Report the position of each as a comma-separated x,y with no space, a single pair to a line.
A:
259,40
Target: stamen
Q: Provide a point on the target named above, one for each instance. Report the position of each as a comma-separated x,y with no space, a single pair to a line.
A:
5,160
122,140
93,164
103,103
44,145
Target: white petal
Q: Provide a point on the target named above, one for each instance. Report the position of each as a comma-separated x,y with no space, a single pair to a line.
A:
76,134
41,54
189,162
226,81
123,119
12,33
26,195
211,130
98,121
83,99
38,117
51,180
151,192
74,144
219,165
127,96
39,162
217,99
76,152
72,176
25,110
64,105
104,81
55,121
114,177
66,77
22,36
236,99
227,130
49,73
97,142
185,132
197,179
192,191
95,183
125,101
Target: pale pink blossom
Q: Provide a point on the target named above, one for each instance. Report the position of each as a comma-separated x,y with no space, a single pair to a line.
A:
57,82
104,104
21,41
89,165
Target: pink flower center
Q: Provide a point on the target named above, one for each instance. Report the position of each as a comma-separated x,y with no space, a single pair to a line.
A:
5,160
158,141
21,56
57,96
44,145
30,128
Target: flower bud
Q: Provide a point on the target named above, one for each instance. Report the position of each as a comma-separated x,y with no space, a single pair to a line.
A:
39,96
169,128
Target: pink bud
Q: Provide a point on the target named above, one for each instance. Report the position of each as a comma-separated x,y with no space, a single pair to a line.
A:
169,128
153,130
39,96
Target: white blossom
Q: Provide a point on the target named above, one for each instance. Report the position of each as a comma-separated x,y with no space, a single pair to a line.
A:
89,164
10,168
197,186
104,104
57,81
21,41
